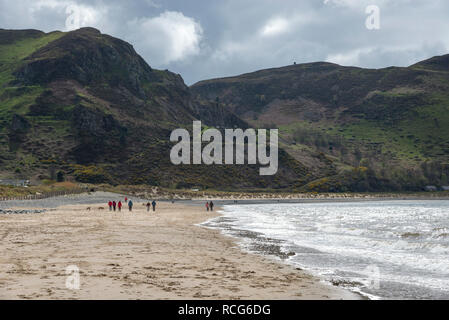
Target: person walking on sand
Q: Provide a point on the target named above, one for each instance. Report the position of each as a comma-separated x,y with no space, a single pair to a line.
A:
148,206
119,206
126,199
207,206
154,205
114,205
110,205
211,205
130,205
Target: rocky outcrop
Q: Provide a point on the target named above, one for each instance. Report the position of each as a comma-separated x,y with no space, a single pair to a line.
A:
87,56
100,136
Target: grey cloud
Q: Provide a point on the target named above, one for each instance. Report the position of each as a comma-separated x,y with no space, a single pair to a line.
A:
203,39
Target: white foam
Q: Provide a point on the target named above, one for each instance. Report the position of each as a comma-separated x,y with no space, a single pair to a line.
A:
408,240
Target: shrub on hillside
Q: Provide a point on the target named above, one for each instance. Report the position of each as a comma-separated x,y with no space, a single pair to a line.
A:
90,174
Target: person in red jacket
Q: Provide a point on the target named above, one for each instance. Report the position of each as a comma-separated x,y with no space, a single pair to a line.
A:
207,206
119,205
110,205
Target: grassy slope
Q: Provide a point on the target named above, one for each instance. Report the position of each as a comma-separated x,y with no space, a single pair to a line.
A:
16,100
396,118
12,54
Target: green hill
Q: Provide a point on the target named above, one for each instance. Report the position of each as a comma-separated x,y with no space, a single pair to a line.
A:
380,129
86,105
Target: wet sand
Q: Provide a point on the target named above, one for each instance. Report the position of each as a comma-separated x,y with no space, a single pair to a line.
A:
140,255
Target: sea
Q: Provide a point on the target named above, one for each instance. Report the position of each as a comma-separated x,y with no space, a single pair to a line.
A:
396,249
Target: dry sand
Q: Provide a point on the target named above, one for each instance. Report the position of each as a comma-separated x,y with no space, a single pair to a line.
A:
140,255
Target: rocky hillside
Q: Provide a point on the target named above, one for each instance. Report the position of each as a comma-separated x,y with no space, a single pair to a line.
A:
85,105
390,126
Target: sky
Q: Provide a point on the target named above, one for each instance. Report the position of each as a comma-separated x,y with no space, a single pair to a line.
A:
203,39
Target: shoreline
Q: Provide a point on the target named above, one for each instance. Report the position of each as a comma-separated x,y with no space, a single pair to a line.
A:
161,194
221,202
92,197
271,250
161,255
277,256
342,234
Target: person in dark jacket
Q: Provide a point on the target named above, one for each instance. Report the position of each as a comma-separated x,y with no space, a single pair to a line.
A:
130,205
148,206
114,205
211,205
154,205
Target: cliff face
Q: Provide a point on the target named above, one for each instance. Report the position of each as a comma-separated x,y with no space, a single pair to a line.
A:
87,104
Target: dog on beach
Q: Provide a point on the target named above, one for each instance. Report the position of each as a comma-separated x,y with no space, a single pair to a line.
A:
88,208
100,208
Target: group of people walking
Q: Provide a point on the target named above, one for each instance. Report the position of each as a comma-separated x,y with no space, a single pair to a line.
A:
151,204
118,205
210,205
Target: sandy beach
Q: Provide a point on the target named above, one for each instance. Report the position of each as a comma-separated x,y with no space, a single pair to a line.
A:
140,255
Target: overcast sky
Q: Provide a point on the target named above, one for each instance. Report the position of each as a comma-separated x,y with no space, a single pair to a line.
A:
202,39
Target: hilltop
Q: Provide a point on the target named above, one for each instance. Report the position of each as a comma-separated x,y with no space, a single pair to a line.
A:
389,125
